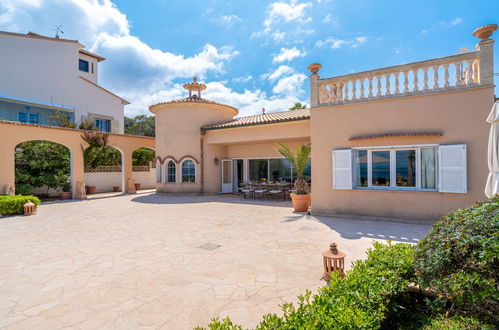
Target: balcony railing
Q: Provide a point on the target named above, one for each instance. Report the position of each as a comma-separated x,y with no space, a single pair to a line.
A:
436,75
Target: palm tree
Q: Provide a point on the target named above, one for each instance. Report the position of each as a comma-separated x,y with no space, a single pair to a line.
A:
298,159
298,106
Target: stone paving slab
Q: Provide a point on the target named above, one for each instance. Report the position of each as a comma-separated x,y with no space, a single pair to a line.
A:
134,261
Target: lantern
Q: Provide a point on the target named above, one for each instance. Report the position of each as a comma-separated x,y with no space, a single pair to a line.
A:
29,208
334,261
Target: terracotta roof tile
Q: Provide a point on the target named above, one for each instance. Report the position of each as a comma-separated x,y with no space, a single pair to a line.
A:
267,118
194,99
394,134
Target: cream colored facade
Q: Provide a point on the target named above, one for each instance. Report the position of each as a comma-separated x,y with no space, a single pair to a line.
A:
438,105
44,72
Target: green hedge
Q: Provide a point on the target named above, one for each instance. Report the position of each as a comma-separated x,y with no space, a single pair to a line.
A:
361,300
14,204
459,259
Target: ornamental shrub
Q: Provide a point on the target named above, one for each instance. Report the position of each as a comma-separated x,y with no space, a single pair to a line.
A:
459,259
15,204
361,300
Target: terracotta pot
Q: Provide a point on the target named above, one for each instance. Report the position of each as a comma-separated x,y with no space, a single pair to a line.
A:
301,203
137,186
90,189
116,188
65,195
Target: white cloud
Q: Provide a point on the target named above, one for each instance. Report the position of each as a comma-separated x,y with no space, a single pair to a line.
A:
230,20
278,73
443,25
291,85
288,54
243,79
338,43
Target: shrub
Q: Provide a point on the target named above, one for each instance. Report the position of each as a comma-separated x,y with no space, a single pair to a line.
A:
361,300
456,322
14,204
459,259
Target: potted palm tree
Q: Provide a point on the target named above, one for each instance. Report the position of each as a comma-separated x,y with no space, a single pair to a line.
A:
299,159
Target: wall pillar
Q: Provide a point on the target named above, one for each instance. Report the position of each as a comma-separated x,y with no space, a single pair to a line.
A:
314,84
129,183
7,167
77,172
486,64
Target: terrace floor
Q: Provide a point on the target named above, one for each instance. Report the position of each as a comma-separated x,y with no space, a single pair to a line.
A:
157,261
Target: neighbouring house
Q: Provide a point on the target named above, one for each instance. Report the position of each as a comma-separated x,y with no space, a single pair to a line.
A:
41,75
406,142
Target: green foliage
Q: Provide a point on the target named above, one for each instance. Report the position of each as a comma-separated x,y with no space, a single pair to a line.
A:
359,301
15,204
142,156
87,124
455,322
298,106
41,163
61,119
298,159
140,125
459,259
98,152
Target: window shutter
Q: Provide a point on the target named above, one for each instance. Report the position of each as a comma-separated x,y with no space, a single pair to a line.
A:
115,126
158,172
342,169
452,168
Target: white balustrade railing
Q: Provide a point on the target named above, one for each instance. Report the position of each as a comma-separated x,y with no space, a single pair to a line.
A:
445,73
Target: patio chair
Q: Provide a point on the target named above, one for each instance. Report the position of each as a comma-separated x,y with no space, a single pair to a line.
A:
260,193
276,194
245,192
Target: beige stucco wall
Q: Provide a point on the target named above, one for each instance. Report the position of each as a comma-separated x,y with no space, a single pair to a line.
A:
459,115
11,134
47,71
178,135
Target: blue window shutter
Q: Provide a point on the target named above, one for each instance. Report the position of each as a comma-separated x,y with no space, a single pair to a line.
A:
23,118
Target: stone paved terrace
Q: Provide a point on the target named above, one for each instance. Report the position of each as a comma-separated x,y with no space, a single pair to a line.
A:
134,261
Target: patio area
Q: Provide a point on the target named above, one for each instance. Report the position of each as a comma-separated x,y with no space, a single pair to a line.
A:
171,262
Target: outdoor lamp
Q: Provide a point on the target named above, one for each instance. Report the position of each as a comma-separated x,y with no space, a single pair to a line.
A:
334,260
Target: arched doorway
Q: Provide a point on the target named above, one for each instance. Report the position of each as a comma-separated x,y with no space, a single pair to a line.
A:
103,169
43,168
144,168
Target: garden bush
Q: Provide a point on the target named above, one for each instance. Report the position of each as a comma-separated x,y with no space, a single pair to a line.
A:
14,204
361,300
459,259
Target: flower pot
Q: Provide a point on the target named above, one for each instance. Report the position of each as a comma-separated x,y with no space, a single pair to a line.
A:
137,186
301,203
91,189
65,195
116,188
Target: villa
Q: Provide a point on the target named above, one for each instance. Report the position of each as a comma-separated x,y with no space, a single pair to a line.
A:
42,74
404,142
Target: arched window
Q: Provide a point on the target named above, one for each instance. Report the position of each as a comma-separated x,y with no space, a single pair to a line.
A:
188,171
171,172
158,171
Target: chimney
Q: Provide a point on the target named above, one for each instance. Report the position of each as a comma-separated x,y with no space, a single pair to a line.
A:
263,111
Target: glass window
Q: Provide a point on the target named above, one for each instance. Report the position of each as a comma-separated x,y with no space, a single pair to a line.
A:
188,171
280,170
258,170
360,163
83,65
23,117
171,172
428,168
103,125
34,118
380,168
405,163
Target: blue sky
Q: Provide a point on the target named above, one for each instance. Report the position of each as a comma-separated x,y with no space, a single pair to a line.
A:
252,54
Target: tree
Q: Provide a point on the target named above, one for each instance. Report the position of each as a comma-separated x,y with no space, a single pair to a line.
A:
142,157
41,163
298,106
298,159
99,152
140,125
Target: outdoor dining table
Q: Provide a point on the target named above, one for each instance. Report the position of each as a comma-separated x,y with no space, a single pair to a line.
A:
263,190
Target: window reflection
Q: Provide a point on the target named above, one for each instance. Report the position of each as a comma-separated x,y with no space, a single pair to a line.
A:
381,168
405,168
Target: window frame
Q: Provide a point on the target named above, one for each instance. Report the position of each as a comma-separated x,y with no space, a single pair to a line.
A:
108,124
182,171
167,171
393,167
80,61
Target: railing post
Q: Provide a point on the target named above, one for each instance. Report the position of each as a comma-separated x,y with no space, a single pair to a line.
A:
486,63
314,84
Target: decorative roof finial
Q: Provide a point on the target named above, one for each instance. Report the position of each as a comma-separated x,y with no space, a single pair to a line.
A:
263,111
194,86
485,32
314,68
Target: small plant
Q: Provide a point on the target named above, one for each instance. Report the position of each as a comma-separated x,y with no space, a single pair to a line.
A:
61,119
298,159
66,187
15,204
87,124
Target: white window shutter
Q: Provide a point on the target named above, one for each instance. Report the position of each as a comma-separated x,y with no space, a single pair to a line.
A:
158,172
452,168
342,169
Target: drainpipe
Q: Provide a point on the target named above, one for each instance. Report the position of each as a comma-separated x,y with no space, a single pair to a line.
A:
203,132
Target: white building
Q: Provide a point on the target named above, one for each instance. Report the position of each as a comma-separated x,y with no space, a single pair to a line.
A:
40,74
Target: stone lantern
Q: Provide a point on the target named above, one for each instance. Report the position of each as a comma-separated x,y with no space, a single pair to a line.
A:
29,208
334,260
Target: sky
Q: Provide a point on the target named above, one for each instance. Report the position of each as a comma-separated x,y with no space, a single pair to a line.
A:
251,54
